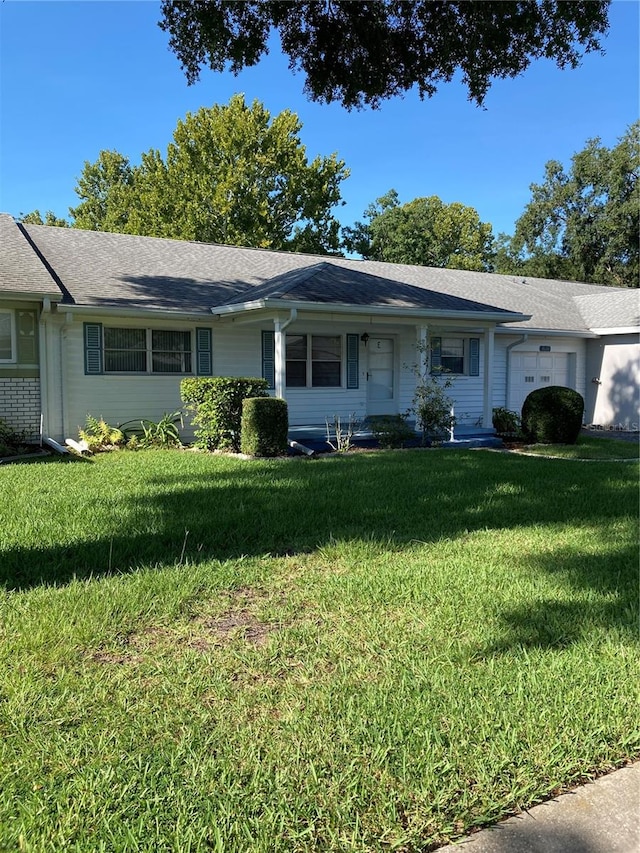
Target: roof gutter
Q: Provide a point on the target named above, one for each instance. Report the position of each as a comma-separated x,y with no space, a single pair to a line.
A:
32,296
111,310
369,310
617,330
547,333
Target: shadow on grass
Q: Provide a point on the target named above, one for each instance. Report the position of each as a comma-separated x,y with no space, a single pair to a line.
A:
554,624
225,511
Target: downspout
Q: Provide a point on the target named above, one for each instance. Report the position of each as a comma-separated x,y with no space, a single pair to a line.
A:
517,343
44,368
63,372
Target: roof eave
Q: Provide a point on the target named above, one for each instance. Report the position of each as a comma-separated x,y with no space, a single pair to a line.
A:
112,310
535,330
31,296
371,310
617,330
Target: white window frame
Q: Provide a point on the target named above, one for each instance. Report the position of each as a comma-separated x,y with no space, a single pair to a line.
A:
465,356
13,345
149,352
309,362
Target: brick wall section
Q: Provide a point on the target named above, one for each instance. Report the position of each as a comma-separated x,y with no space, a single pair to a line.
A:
20,405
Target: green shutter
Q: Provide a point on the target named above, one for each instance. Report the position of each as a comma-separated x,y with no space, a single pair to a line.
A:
27,337
353,365
204,355
474,356
436,354
269,358
93,348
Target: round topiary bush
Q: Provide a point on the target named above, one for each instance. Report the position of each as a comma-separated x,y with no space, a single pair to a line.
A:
552,415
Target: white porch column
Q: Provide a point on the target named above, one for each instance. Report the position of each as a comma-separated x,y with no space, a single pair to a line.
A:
280,354
487,414
422,336
280,358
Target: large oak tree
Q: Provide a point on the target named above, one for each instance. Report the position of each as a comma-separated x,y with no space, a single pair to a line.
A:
359,53
233,174
425,231
582,223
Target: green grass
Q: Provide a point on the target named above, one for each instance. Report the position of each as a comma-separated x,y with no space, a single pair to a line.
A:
359,653
587,447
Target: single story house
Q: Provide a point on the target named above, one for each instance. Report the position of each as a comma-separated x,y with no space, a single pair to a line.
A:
108,324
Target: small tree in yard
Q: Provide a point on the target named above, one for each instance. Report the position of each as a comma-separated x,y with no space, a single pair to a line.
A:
432,406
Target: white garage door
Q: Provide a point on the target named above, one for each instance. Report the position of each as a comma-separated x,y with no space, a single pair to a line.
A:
531,370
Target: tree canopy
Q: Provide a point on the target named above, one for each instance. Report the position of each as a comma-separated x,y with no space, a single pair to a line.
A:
231,175
35,218
425,231
361,53
582,223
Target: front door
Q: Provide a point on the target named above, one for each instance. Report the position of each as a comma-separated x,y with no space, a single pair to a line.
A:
532,370
381,380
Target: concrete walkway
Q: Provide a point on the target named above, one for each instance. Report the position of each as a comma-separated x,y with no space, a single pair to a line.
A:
600,817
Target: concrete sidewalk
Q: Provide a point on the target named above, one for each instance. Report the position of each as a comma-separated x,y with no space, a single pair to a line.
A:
599,817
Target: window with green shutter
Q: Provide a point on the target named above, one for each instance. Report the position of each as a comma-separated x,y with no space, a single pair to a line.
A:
7,337
455,356
93,348
269,358
119,349
204,354
27,337
353,361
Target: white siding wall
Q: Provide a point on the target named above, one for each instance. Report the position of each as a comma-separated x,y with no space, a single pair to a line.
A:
237,352
315,405
575,348
115,397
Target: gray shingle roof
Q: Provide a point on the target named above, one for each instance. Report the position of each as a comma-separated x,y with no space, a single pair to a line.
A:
21,270
609,310
121,270
331,283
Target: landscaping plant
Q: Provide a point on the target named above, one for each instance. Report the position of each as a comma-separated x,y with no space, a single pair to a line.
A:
216,405
12,442
99,435
340,434
391,431
265,426
506,422
432,407
552,415
164,433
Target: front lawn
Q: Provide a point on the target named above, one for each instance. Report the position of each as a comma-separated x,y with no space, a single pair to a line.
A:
359,653
587,447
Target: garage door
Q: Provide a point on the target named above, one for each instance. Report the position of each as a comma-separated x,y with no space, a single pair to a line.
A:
531,370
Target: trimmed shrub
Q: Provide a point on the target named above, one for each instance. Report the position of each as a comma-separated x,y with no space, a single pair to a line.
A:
552,415
216,404
265,426
391,430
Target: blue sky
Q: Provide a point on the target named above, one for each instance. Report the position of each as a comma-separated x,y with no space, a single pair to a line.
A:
80,77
